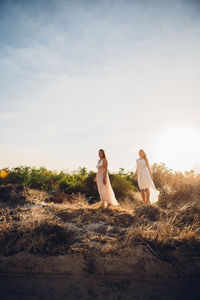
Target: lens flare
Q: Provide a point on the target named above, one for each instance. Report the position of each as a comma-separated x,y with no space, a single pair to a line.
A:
3,174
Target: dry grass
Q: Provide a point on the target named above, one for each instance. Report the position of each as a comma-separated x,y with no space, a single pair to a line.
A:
34,231
166,241
50,228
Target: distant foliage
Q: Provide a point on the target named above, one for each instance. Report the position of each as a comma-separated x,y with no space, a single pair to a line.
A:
79,181
165,178
171,184
176,188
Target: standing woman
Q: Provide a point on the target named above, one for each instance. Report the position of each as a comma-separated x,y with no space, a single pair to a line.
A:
144,177
103,182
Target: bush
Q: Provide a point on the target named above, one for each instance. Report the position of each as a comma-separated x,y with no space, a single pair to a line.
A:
121,186
41,179
19,175
91,187
173,186
79,181
187,194
13,195
48,238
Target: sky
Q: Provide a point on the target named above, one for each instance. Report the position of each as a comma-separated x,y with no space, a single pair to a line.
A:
76,76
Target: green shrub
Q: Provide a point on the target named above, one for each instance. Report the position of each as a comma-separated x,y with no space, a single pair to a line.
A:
81,181
91,187
121,186
19,175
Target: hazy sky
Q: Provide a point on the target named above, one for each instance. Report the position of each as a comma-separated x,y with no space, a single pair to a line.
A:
76,76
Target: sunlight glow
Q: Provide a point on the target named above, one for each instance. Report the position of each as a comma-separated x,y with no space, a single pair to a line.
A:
179,148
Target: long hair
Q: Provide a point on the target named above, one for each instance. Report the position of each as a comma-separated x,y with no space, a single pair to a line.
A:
144,156
104,154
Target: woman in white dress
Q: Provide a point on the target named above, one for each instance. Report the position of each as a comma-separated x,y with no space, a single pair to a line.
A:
105,190
144,177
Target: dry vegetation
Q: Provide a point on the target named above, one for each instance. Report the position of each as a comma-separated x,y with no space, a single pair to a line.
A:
127,252
54,224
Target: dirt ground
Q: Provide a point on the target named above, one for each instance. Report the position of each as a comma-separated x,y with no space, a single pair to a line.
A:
42,287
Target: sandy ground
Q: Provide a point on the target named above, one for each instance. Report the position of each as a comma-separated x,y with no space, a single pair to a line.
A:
40,287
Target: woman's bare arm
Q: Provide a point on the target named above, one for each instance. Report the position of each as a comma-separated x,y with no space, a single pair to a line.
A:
148,167
136,176
105,165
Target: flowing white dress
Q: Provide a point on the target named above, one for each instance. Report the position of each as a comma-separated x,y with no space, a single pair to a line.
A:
105,190
145,181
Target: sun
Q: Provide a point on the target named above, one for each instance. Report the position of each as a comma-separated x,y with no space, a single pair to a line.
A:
179,148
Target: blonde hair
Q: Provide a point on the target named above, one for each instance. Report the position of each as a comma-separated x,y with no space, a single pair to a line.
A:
144,156
104,154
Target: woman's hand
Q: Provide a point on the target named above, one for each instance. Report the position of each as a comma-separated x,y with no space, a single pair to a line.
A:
104,180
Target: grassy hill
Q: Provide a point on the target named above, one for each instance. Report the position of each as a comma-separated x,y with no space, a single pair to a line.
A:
58,234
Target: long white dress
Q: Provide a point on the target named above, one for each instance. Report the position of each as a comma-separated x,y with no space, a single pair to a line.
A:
145,181
105,190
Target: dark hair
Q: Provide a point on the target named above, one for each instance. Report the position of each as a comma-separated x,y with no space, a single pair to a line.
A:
104,154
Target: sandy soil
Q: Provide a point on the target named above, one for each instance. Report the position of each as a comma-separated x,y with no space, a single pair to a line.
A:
42,287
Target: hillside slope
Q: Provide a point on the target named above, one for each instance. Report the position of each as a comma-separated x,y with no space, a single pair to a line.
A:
114,251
